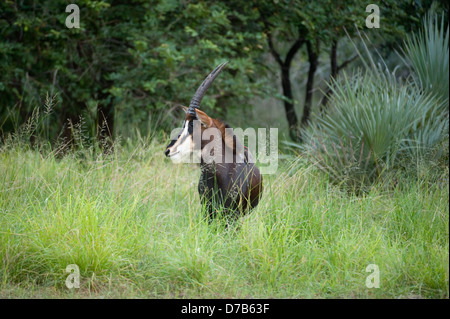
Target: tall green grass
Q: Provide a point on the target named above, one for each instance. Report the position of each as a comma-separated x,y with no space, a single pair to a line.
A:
132,222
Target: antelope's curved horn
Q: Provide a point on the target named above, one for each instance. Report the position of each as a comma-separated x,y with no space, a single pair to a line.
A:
195,102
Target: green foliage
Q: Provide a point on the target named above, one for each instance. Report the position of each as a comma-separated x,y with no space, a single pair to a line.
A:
126,62
428,55
325,20
427,52
131,63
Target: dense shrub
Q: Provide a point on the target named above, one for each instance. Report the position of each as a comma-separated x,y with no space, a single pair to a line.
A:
376,123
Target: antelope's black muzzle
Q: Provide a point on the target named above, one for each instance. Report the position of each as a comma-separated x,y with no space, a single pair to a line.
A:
167,151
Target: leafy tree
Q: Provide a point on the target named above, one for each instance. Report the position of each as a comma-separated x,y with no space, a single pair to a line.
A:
126,61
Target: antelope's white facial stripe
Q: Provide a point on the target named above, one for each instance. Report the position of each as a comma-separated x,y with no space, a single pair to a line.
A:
183,147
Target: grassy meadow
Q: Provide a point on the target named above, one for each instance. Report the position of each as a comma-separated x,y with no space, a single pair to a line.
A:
132,222
359,205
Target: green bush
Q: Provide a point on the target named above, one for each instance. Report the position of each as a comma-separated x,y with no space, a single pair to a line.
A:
428,56
375,123
364,132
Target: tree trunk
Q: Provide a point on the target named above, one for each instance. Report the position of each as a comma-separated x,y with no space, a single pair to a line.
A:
285,67
313,62
334,72
289,108
335,68
333,59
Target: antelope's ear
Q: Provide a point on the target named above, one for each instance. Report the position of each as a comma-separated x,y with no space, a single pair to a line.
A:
185,108
204,118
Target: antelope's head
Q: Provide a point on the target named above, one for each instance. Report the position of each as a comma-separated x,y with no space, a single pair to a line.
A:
184,145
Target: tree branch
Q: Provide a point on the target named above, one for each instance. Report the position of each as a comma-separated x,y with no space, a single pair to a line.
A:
346,62
292,51
273,51
334,72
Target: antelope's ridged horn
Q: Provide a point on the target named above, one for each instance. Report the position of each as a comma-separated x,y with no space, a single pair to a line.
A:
195,102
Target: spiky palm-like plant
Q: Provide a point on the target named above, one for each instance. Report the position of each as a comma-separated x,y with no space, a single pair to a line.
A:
427,53
375,123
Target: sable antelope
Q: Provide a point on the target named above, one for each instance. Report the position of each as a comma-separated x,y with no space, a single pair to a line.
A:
231,187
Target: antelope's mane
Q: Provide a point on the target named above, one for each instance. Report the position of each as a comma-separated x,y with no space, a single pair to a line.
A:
229,140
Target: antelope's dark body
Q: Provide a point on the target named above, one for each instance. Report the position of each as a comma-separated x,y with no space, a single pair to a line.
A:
231,189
